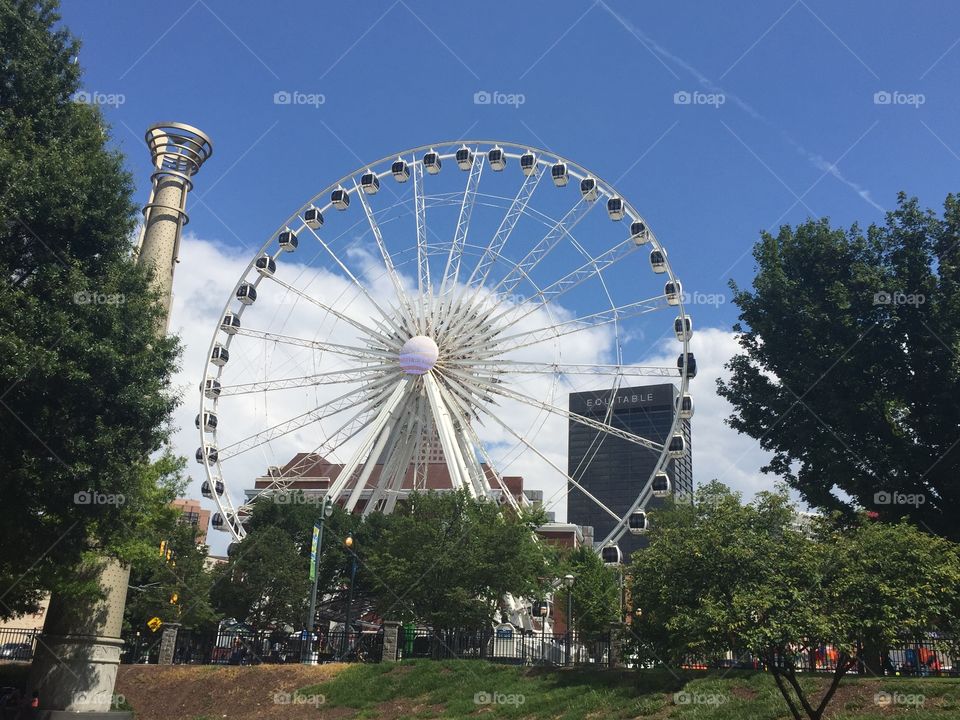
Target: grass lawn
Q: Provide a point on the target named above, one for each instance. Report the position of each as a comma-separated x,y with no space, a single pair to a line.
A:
471,688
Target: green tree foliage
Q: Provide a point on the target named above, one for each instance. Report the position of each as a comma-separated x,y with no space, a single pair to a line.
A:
266,581
596,591
756,581
84,386
850,370
447,560
175,569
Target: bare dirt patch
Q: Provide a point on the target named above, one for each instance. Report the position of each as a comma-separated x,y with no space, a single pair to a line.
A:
214,693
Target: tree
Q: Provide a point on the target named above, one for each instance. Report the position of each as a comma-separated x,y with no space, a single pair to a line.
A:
595,591
265,583
173,583
448,560
750,579
850,367
85,393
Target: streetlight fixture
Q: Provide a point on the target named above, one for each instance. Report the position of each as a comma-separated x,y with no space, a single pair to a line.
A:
348,544
568,584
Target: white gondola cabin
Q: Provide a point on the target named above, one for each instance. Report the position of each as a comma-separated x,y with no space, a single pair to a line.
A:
400,170
313,218
370,183
432,162
247,294
497,158
209,421
464,158
615,208
340,198
638,523
528,163
219,356
230,323
287,240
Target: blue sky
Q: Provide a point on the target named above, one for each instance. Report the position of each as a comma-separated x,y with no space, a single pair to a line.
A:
717,120
598,82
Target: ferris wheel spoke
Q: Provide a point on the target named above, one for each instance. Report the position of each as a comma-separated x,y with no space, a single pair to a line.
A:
332,377
507,367
443,419
402,297
320,412
375,429
399,454
451,272
423,251
333,442
549,241
364,354
378,337
353,278
556,467
482,271
577,418
516,341
498,478
594,267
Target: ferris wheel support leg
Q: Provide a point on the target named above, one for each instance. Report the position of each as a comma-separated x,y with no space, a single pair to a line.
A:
364,451
459,475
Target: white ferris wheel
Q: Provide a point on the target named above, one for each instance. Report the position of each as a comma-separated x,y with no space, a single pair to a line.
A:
448,296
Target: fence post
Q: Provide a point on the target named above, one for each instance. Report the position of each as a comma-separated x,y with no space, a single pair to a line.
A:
391,641
168,644
615,644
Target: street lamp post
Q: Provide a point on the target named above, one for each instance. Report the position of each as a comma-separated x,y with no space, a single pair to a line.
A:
568,584
353,574
310,657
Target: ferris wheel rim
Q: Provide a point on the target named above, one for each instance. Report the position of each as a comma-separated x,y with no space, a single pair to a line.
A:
544,159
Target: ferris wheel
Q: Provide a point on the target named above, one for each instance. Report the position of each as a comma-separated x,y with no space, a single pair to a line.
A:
427,315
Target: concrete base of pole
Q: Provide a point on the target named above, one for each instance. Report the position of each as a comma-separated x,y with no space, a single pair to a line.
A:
77,656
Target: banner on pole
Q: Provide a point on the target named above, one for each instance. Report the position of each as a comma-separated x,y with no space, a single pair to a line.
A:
313,552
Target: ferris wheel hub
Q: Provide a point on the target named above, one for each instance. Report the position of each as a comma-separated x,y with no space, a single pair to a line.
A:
418,355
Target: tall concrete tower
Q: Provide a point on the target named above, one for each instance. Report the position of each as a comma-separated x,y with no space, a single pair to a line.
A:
178,152
77,656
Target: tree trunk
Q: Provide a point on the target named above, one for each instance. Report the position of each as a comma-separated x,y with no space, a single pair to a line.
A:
871,657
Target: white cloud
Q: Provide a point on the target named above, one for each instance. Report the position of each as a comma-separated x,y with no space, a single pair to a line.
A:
206,278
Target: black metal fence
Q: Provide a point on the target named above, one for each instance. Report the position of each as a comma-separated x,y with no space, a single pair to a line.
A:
16,644
514,647
933,655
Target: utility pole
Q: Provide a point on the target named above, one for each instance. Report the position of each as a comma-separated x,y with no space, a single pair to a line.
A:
311,657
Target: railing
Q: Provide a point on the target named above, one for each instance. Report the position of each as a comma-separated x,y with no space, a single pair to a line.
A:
17,644
932,655
509,647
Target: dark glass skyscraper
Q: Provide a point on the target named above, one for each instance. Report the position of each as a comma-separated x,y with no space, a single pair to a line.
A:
614,469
